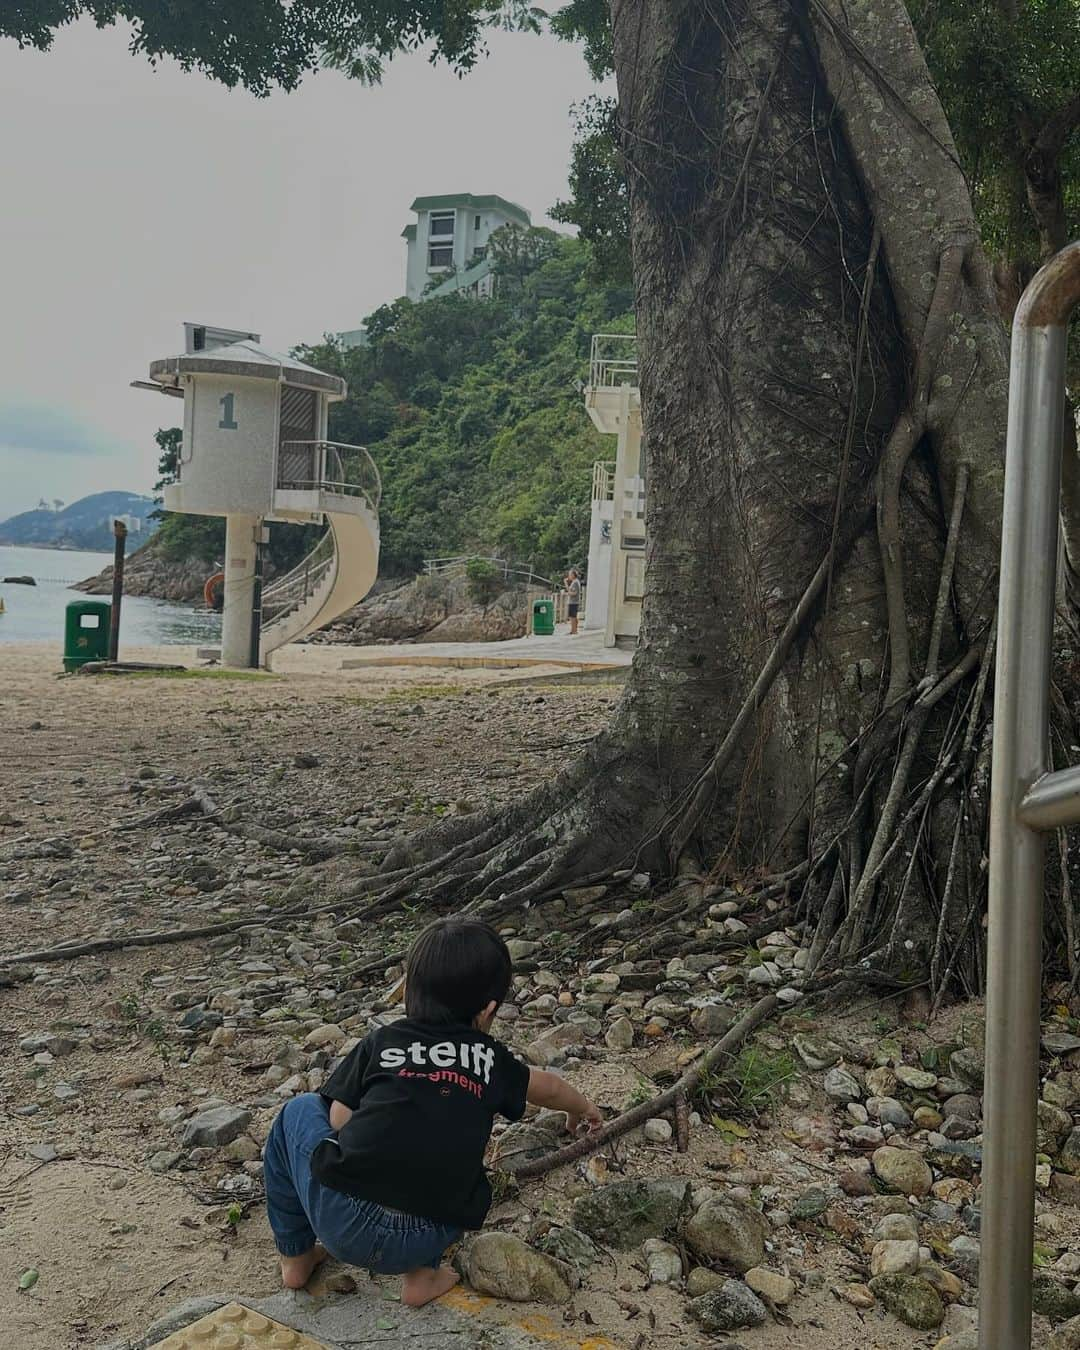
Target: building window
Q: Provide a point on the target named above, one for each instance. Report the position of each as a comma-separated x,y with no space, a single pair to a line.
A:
476,223
440,257
479,252
441,225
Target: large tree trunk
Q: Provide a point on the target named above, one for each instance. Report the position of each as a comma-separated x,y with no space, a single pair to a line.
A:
823,377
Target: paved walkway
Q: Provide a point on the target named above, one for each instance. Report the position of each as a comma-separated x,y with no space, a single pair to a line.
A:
585,652
461,1320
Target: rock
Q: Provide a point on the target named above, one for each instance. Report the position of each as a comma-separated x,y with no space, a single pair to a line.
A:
810,1205
1066,1336
880,1081
967,1065
25,580
304,761
712,1019
960,1320
841,1086
965,1340
504,1266
520,949
201,1019
918,1080
328,1036
727,1230
1068,1159
702,1280
585,895
549,1046
903,1171
1054,1125
894,1258
1052,1299
818,1055
1065,1188
1057,1041
527,1140
728,1308
658,1131
164,1161
42,1153
896,1228
888,1111
855,1183
570,1246
771,1285
915,1302
620,1035
623,1214
214,1128
46,1041
858,1295
947,1284
663,1261
927,1118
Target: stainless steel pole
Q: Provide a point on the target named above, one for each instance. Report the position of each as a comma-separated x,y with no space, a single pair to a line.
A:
1029,541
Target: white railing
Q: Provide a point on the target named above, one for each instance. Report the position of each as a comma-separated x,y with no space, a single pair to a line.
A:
295,588
327,466
613,360
453,568
603,480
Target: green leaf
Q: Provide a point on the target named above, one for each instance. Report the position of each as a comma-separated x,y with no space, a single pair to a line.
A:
28,1279
385,1324
731,1130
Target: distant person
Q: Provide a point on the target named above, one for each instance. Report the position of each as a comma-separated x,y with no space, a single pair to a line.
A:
572,582
384,1166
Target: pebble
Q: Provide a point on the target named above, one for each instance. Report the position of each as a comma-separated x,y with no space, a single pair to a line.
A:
663,1261
771,1285
620,1035
658,1130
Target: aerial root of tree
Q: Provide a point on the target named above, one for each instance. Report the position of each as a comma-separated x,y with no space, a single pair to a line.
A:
674,1098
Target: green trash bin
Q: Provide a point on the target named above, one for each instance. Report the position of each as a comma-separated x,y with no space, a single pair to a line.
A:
86,632
543,618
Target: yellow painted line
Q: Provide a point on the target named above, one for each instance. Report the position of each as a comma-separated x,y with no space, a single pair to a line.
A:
495,1312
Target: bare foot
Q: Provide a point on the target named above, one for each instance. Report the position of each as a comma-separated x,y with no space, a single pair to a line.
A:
297,1270
422,1286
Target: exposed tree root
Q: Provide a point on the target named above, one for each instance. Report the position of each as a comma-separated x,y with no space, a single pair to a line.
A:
666,1101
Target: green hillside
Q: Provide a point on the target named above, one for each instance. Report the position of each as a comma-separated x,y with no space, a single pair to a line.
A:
472,412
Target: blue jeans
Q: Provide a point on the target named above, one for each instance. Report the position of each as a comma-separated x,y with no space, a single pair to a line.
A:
357,1232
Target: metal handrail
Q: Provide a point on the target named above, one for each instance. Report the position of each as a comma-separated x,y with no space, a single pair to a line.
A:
603,480
314,466
1026,797
452,568
287,593
613,360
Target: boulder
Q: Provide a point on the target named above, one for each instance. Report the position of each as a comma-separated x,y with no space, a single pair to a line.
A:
663,1261
1053,1299
528,1140
915,1302
771,1285
894,1258
1068,1159
902,1170
727,1230
623,1214
571,1247
728,1308
504,1266
1066,1336
214,1128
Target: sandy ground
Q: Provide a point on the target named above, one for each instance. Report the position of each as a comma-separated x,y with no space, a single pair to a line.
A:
115,1244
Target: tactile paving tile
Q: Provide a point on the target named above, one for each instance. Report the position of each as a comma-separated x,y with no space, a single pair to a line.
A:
235,1327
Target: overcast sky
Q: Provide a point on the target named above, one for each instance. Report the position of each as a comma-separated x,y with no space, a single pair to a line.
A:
133,199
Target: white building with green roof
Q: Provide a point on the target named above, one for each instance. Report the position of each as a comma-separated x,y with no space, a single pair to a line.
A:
447,244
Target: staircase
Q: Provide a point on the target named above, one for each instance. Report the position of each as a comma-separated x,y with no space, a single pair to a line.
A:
339,484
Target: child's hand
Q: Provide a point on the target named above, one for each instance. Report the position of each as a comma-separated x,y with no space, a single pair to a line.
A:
590,1116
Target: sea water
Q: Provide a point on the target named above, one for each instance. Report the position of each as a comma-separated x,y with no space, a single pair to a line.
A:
36,613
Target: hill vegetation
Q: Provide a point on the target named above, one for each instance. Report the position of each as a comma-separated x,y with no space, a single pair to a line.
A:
473,412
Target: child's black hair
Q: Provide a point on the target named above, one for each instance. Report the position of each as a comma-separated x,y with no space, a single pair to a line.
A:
456,967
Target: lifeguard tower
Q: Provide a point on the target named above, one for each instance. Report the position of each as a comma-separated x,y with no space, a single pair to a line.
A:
616,578
255,450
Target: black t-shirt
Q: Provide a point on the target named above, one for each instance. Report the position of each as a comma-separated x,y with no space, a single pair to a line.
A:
423,1099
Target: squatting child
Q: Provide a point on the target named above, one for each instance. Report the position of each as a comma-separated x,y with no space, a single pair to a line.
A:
384,1167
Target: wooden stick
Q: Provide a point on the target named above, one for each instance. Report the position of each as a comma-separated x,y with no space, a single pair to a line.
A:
637,1115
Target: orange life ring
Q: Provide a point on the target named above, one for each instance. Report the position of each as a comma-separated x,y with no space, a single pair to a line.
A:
211,584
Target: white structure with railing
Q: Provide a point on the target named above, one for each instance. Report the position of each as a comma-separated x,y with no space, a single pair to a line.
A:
617,528
255,450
